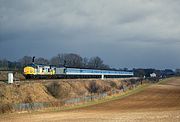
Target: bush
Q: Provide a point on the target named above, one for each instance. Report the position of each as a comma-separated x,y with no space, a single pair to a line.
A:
113,84
5,108
93,87
56,90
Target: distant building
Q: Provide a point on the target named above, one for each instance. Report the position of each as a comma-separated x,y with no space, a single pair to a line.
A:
153,75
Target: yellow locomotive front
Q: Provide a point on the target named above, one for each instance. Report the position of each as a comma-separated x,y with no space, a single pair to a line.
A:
38,71
29,71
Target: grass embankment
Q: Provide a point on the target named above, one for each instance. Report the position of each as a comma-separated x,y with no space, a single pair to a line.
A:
116,96
106,99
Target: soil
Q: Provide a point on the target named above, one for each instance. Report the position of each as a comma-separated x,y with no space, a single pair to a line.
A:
159,102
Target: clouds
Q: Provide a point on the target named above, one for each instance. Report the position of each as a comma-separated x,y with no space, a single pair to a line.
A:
73,26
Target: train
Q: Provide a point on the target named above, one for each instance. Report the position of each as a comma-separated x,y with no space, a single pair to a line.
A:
38,71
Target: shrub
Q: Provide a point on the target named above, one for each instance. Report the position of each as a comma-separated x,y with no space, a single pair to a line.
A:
57,90
5,108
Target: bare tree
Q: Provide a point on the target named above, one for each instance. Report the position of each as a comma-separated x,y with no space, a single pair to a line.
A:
93,88
97,63
54,61
85,62
73,60
56,90
25,60
42,61
58,60
104,66
4,64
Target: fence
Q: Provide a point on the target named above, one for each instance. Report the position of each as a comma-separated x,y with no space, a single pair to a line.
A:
28,106
40,105
85,99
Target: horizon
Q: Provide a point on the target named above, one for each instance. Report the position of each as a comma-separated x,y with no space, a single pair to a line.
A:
117,68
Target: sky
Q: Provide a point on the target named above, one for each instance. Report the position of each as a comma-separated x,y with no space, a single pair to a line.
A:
124,33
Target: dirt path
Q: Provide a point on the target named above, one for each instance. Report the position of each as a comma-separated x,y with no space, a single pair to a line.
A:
156,103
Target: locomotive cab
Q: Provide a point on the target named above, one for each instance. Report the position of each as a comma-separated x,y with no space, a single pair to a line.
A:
29,71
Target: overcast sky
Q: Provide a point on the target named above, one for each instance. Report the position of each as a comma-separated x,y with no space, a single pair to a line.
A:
124,33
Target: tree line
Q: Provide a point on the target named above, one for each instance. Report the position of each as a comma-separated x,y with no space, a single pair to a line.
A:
76,61
65,59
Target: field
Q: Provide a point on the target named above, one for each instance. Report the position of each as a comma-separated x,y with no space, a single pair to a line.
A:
159,102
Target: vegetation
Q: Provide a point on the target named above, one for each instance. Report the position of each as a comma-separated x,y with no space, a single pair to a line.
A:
56,90
76,61
159,73
68,60
107,99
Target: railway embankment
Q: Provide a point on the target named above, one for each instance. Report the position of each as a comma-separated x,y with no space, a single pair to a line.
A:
28,95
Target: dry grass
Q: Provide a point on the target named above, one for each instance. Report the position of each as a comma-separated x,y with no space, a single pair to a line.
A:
51,90
17,76
24,93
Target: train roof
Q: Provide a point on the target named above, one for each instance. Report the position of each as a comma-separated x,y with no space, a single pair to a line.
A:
41,65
